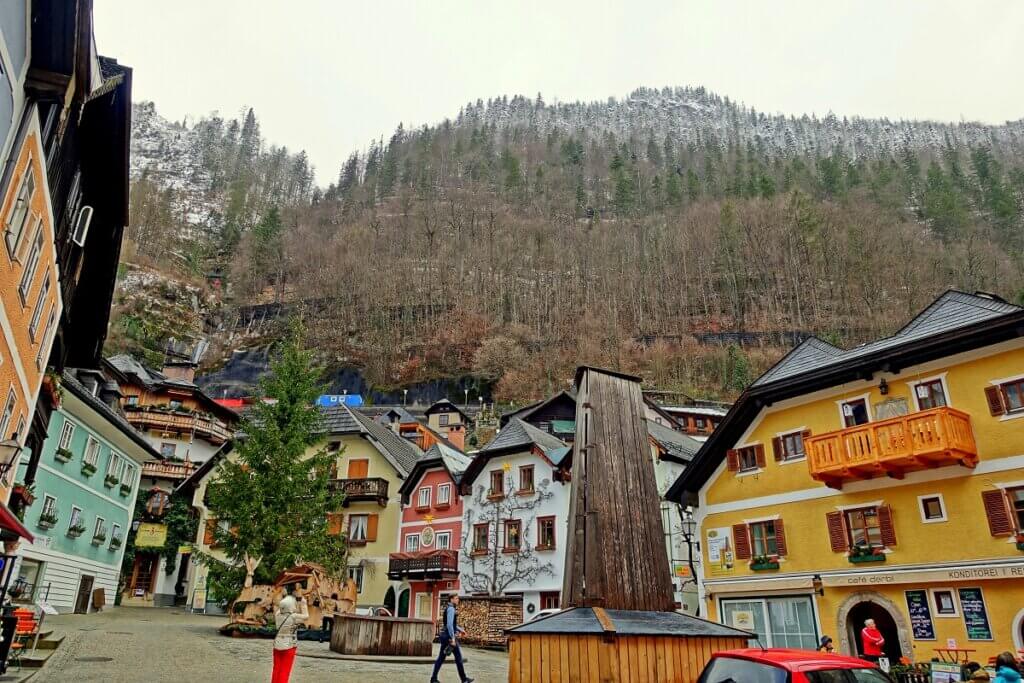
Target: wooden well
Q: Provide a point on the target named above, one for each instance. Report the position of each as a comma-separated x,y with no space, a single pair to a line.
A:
364,635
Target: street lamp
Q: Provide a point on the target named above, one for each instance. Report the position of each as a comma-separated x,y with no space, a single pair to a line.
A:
689,528
405,397
9,452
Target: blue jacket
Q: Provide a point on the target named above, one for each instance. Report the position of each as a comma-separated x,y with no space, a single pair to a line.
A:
1006,675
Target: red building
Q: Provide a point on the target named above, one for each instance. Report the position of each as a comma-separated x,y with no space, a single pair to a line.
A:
430,532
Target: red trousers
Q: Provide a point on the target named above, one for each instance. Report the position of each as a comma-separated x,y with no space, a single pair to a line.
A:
283,660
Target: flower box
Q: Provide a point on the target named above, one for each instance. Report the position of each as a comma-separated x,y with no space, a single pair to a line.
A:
115,543
88,470
53,389
24,492
63,454
126,489
857,559
764,566
46,521
99,540
1020,545
111,481
76,531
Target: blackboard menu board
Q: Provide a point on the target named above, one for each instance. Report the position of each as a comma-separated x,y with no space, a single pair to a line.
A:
920,615
975,615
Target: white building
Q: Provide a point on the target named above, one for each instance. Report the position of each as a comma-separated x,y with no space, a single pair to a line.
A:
516,506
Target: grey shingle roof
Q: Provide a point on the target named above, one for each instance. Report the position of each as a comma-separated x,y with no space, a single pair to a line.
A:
951,310
675,443
404,416
582,620
338,419
69,380
518,434
401,453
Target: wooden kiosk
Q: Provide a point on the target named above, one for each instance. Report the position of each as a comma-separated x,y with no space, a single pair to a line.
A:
620,625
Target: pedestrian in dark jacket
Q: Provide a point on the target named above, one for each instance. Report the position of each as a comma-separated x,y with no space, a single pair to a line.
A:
450,632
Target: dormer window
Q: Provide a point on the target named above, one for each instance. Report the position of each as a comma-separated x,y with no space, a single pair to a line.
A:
443,419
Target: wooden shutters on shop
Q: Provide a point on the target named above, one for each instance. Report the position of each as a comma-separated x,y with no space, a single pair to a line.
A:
335,523
759,456
837,532
780,537
371,528
357,469
732,459
741,537
778,449
994,397
997,511
885,526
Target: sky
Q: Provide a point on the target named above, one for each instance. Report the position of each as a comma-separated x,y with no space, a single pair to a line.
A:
328,76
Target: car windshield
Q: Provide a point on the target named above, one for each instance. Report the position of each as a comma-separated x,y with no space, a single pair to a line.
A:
847,676
728,670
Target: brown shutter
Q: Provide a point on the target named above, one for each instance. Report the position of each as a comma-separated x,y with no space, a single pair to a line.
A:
837,532
208,531
357,469
777,449
780,537
742,540
999,521
371,528
885,526
994,396
759,455
804,435
334,523
732,459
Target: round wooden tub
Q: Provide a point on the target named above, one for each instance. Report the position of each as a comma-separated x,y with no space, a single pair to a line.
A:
363,635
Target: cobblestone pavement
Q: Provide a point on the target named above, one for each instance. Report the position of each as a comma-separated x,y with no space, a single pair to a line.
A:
136,644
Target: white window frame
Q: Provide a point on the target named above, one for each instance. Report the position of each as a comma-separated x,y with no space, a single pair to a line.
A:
35,256
955,614
928,380
86,460
66,434
412,543
43,353
115,465
101,525
443,419
49,504
76,516
790,432
22,207
355,572
115,532
37,312
447,536
8,415
850,399
420,497
942,503
446,489
129,475
365,529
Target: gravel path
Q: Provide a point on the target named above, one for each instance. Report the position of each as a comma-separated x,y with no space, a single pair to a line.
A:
137,644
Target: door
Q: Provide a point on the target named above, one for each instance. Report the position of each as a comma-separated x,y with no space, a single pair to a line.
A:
357,469
143,575
855,412
884,622
84,594
403,603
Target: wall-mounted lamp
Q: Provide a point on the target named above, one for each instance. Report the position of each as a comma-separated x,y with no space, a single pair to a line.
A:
818,585
883,387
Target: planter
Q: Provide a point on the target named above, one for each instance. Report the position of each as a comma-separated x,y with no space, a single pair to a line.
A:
99,540
63,455
858,559
46,522
114,544
1020,545
76,531
111,482
126,489
52,389
23,492
764,566
88,470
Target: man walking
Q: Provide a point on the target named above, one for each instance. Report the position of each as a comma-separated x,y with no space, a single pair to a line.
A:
450,640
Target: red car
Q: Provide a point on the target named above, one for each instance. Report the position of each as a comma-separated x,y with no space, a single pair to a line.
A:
778,665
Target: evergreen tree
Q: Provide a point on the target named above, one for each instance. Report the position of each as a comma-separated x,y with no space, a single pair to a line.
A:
673,189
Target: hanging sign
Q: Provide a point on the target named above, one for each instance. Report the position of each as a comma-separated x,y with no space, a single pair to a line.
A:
150,535
743,620
920,615
719,544
972,604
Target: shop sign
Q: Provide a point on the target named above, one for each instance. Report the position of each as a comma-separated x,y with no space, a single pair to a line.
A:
151,535
719,544
920,615
944,575
743,620
681,571
972,604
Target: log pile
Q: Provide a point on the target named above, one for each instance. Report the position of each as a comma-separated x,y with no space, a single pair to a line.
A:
486,619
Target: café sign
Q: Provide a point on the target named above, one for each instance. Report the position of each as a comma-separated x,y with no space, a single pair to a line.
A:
942,575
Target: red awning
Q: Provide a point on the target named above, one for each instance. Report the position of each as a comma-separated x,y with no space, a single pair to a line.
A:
8,522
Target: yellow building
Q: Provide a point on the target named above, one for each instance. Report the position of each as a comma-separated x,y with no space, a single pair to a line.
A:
884,481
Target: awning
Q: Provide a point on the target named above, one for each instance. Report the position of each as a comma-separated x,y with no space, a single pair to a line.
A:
12,525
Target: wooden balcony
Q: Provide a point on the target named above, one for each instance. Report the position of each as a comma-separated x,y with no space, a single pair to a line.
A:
366,489
146,418
168,469
892,447
430,565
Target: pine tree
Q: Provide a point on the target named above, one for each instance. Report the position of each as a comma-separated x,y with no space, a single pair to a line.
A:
673,189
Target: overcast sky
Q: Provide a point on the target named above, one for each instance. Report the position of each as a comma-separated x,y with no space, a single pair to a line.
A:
329,75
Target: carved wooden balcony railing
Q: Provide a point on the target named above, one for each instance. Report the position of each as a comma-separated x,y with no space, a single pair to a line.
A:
168,470
146,418
370,488
892,447
430,564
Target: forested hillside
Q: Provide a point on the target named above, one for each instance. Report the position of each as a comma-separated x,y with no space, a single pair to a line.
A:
519,238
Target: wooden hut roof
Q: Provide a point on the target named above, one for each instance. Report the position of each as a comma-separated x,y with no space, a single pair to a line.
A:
585,621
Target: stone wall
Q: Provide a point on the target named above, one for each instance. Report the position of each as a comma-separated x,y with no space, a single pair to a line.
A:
485,619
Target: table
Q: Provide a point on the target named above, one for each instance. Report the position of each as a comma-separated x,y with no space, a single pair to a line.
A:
952,654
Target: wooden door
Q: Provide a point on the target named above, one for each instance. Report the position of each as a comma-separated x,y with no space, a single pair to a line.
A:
84,594
357,469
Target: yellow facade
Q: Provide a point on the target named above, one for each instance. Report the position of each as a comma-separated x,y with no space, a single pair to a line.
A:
954,552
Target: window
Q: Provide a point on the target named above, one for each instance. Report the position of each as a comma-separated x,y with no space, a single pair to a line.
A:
19,216
168,450
1013,395
930,394
115,534
157,502
1016,497
545,533
444,494
847,676
790,446
76,517
128,479
133,400
724,669
764,542
174,405
5,419
423,497
513,535
747,459
356,574
945,603
43,353
67,430
497,483
864,528
100,529
481,532
443,419
526,479
550,600
49,506
92,452
778,622
37,313
31,265
932,508
855,412
357,527
443,540
412,543
699,422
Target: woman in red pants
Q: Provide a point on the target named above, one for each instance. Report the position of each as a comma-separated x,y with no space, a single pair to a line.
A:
288,616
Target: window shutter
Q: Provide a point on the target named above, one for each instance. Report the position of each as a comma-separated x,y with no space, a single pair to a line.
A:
732,459
837,532
357,469
885,526
208,531
334,523
804,435
778,449
780,537
742,540
999,522
371,528
759,455
994,396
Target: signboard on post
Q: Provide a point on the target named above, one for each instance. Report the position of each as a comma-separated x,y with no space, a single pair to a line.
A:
920,615
975,615
944,672
151,535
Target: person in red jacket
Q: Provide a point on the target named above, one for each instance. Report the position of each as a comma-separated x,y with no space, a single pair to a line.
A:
871,641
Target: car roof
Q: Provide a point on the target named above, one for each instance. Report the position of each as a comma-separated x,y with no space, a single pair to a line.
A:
797,660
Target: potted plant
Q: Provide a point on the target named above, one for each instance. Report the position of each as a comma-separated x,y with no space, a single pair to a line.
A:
63,454
26,493
110,481
88,470
764,563
115,543
126,489
865,553
76,530
47,520
52,388
100,538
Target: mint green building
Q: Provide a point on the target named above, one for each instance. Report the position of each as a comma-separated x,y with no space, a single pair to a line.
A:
84,497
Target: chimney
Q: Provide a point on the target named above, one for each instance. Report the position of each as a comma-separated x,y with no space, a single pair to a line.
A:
457,436
184,371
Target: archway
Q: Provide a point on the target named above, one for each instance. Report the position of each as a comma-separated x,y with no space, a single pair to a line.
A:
389,599
1018,630
403,603
890,621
